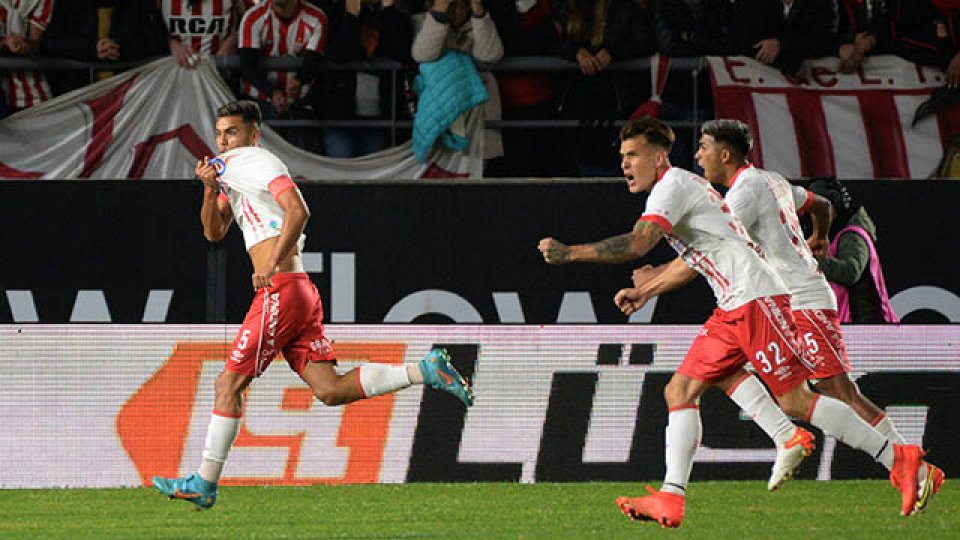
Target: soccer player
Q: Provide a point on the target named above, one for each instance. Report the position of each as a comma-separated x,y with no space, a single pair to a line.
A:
767,206
752,322
249,184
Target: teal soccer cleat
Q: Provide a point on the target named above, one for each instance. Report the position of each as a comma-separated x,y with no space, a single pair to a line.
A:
190,488
439,373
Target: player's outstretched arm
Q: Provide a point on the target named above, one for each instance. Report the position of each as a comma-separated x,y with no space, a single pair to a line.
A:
616,249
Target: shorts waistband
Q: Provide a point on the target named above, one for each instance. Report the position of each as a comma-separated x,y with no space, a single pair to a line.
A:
284,277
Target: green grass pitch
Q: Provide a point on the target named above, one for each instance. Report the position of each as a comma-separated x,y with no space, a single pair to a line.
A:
741,510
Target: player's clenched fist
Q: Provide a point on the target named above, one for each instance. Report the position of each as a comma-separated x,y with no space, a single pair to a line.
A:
554,251
206,173
630,300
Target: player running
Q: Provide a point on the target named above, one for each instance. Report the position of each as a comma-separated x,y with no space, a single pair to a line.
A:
752,322
767,205
249,184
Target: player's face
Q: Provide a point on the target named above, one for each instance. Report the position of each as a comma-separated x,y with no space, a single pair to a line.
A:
233,132
640,162
709,158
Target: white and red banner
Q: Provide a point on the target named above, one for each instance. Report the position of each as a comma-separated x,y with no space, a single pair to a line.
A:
157,120
826,123
113,405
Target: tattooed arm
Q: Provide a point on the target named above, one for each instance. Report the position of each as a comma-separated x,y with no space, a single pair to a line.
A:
616,249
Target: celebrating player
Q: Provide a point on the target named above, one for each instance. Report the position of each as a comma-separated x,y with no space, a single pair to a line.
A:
251,185
753,322
767,206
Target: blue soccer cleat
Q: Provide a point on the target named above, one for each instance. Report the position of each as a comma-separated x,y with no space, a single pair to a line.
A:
190,488
439,373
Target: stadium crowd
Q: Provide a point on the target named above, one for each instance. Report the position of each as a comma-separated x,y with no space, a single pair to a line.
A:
592,33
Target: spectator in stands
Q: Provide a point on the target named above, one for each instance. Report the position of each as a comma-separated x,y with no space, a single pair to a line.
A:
527,29
856,32
712,27
24,22
851,263
97,30
284,28
361,31
197,28
925,32
807,29
594,34
921,31
686,28
465,26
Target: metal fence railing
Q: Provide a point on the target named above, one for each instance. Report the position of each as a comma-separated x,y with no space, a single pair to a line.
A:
692,67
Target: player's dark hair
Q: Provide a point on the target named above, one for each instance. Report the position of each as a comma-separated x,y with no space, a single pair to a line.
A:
654,130
244,108
732,133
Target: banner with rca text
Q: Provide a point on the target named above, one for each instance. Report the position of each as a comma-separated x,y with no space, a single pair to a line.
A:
826,123
157,121
114,405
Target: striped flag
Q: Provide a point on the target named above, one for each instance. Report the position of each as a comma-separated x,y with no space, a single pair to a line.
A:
825,123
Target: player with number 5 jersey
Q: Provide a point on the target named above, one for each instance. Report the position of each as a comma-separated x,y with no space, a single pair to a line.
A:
752,323
767,205
249,184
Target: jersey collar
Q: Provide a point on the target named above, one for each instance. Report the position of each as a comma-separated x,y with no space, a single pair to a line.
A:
736,175
664,173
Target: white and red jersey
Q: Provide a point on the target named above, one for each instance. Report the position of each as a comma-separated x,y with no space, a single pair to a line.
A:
202,25
710,239
252,179
767,205
25,88
262,29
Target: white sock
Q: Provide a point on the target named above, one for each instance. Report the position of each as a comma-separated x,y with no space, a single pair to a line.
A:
838,420
887,429
221,433
753,398
682,437
379,379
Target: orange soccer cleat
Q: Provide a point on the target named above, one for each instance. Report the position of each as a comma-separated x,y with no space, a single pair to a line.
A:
660,506
903,475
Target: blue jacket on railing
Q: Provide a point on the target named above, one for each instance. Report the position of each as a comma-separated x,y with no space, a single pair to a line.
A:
447,87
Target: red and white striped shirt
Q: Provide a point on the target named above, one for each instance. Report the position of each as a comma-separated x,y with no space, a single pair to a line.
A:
202,25
25,88
261,28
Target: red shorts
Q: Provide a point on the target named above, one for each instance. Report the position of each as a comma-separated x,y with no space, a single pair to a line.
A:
288,318
762,332
820,336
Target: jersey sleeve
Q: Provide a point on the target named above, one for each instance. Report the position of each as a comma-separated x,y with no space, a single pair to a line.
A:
666,204
801,198
275,176
742,199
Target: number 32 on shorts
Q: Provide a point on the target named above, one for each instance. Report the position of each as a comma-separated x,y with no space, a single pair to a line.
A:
774,349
